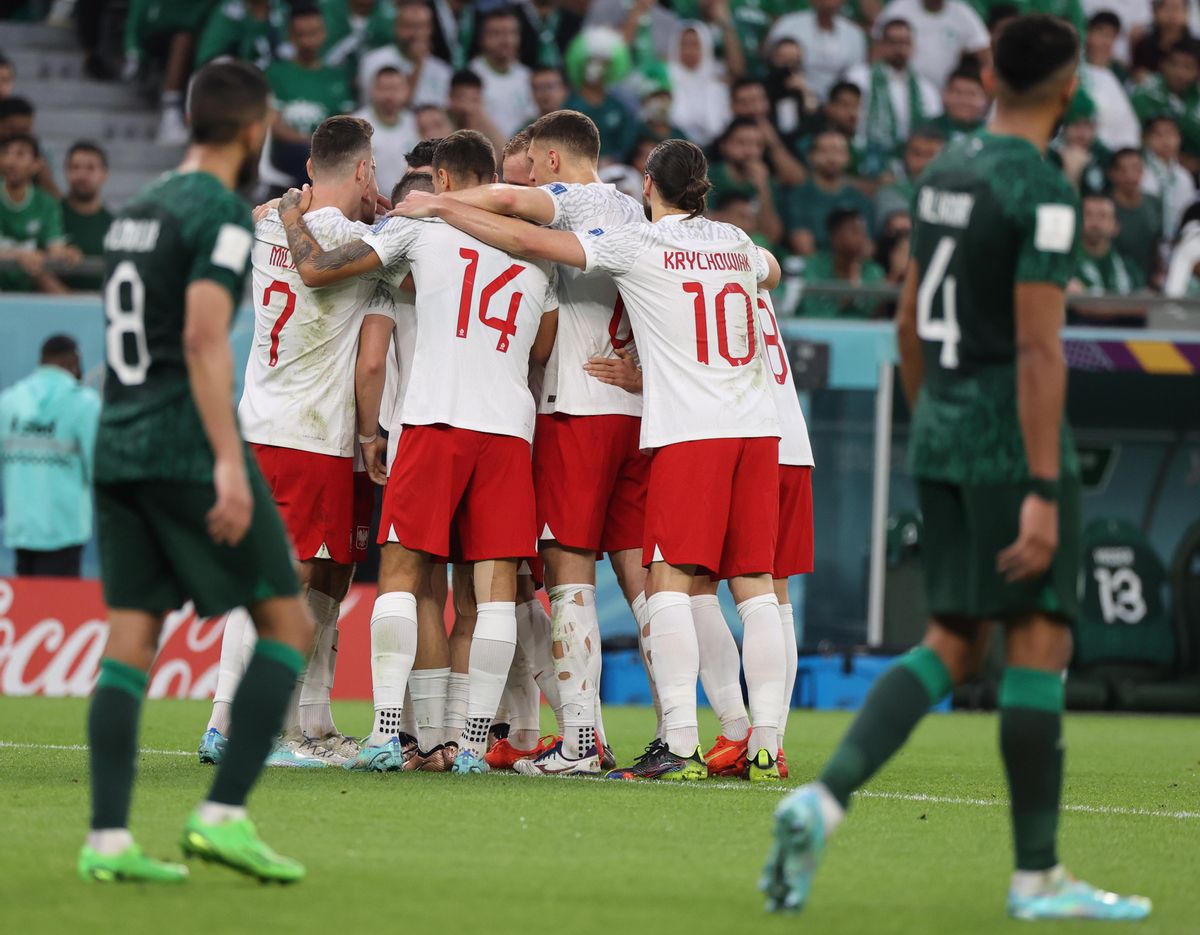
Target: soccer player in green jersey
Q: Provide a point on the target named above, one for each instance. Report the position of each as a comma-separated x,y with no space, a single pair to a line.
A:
183,512
996,473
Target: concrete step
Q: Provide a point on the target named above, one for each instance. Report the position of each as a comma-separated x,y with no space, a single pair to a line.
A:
72,93
35,65
37,36
99,125
148,157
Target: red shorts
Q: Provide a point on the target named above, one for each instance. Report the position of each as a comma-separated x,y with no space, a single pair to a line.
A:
591,478
364,507
315,496
462,493
794,548
714,504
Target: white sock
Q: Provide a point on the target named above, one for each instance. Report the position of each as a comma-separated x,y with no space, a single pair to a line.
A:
428,688
492,649
239,629
595,668
109,842
393,651
1027,883
720,667
676,667
762,655
789,661
216,813
523,700
572,609
832,812
639,615
533,631
458,687
408,717
316,718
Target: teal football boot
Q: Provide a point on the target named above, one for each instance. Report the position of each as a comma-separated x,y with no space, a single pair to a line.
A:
378,758
796,851
212,747
1064,897
468,761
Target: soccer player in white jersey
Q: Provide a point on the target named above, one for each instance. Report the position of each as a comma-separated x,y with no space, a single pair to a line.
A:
589,472
690,286
719,660
462,485
296,412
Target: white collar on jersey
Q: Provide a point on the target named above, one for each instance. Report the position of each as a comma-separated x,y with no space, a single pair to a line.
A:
673,219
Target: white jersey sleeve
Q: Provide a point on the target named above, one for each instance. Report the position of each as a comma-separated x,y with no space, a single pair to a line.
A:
614,251
393,239
299,385
794,446
762,269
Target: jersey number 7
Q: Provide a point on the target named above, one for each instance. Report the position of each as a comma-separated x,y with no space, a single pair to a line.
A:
278,287
506,326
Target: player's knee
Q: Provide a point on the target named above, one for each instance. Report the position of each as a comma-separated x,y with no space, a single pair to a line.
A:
956,640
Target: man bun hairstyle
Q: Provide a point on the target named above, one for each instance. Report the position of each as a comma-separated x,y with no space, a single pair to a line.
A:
224,98
1032,49
567,130
680,173
422,153
340,143
467,155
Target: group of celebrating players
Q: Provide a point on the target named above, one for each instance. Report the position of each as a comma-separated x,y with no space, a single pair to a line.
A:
491,329
664,430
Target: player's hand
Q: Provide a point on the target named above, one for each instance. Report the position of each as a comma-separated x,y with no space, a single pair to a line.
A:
263,210
1031,554
621,371
296,199
230,516
373,453
416,205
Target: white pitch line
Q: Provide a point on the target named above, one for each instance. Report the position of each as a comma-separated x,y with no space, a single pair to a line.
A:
744,787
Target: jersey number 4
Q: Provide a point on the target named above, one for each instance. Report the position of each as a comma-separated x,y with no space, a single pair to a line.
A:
701,306
944,329
506,326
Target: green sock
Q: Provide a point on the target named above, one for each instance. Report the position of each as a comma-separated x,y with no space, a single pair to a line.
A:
1031,706
894,706
257,714
113,737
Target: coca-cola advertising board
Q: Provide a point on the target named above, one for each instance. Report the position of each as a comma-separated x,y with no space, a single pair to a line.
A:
52,634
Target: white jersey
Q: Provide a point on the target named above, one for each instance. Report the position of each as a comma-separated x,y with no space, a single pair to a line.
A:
478,312
794,447
299,387
398,305
592,321
690,287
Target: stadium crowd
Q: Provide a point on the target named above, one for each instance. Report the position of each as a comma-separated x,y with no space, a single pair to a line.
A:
817,118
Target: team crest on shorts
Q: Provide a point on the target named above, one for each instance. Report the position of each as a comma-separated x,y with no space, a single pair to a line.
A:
362,536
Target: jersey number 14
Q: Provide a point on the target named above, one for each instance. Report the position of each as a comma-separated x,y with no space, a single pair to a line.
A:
944,329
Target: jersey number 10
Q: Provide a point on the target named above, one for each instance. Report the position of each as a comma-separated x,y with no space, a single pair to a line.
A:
702,346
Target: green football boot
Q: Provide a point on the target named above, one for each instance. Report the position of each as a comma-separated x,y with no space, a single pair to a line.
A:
129,866
763,768
236,844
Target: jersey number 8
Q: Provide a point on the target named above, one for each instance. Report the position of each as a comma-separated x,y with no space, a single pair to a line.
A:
945,329
125,309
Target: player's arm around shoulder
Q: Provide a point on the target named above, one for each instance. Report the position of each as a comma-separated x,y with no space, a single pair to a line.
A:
774,272
531,204
370,374
317,266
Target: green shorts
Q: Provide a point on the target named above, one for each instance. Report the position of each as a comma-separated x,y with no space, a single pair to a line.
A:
156,553
966,527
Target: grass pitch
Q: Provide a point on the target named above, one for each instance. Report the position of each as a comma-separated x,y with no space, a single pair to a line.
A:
926,850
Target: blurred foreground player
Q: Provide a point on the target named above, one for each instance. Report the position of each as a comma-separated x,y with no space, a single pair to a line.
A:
183,512
997,478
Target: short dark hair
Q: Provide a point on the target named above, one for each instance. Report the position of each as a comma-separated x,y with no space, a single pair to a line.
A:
680,173
1155,119
409,182
464,77
387,70
926,131
1105,18
25,138
967,71
731,196
828,131
422,153
6,62
573,131
1095,196
745,83
338,140
518,144
58,346
500,12
1185,46
87,146
840,217
466,154
844,87
896,21
304,8
225,97
15,107
1123,153
1001,12
539,69
1032,49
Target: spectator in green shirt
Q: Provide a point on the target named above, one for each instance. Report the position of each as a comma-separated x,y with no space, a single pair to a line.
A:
742,168
1081,156
964,104
847,260
1139,216
594,64
1173,93
30,221
920,150
85,218
250,30
353,27
1101,269
16,119
306,92
807,207
740,210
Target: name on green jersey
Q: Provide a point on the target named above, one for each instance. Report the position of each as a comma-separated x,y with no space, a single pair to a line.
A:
949,209
126,235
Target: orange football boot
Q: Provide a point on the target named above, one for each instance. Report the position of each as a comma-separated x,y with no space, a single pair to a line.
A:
727,757
503,754
781,762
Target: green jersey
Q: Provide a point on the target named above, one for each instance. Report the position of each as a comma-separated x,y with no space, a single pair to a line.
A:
234,29
991,213
1111,274
307,96
1140,232
807,207
819,268
32,222
953,129
348,36
1152,98
613,120
85,231
180,229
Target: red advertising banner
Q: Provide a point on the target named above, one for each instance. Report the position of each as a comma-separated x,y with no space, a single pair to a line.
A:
52,634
